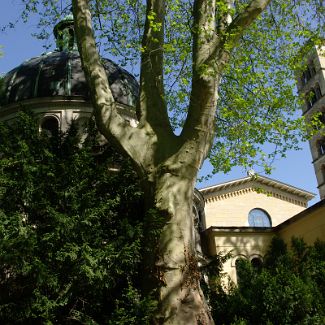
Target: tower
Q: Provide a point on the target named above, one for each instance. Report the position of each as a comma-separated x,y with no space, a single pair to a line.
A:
311,84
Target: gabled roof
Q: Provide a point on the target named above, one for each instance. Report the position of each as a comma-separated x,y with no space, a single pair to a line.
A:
256,181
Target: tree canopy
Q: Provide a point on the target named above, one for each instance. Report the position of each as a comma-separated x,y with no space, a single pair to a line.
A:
260,74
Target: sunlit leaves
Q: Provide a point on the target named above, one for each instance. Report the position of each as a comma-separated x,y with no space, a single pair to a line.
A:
257,115
258,103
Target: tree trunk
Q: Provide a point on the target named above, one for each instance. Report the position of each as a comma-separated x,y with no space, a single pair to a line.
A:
159,155
175,262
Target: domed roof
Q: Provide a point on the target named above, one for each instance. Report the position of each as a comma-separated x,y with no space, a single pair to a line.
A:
59,73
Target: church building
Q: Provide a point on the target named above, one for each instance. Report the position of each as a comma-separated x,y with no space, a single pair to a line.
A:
239,216
311,85
243,215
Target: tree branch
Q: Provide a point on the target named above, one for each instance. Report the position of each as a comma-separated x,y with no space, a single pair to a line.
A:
243,20
230,34
109,122
210,54
203,30
224,12
199,124
152,107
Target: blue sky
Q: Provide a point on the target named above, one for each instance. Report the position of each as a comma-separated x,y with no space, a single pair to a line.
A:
18,45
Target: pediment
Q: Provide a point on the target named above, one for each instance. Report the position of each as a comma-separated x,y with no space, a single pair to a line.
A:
259,184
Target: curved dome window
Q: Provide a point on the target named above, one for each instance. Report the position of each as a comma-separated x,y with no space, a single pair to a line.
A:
259,218
50,126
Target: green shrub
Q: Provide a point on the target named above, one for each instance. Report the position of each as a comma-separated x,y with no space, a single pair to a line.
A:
70,230
288,289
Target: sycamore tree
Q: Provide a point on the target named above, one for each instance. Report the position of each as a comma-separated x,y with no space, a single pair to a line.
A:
220,73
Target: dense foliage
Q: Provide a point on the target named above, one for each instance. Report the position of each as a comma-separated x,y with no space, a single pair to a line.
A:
260,74
70,231
288,288
220,72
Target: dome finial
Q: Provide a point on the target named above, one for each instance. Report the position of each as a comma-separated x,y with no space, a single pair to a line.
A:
65,35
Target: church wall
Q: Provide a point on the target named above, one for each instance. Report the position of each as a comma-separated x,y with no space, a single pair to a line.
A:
321,65
245,244
249,243
315,83
232,210
310,227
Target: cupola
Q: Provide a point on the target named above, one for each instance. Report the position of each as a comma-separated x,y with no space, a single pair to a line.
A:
58,76
64,34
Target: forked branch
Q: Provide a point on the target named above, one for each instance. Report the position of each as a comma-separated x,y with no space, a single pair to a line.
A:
210,54
200,118
109,122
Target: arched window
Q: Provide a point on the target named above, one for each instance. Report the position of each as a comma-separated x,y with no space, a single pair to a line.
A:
308,102
239,264
256,262
259,218
311,98
321,147
50,125
318,92
303,78
311,68
307,74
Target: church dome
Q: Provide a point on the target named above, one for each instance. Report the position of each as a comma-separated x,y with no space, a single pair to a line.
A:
59,74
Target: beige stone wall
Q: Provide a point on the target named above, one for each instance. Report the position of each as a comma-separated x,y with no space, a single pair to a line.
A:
317,57
241,244
319,166
320,66
249,243
232,209
309,227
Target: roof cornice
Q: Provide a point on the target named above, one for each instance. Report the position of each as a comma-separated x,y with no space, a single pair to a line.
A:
253,181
